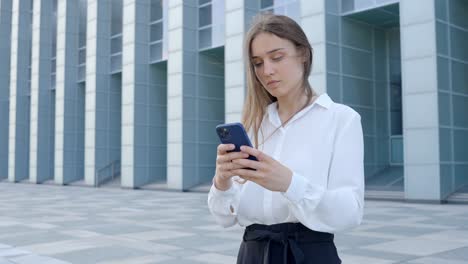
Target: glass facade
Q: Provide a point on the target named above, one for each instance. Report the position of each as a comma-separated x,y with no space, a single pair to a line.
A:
116,36
349,6
210,23
53,56
452,78
82,21
364,71
177,100
158,31
289,8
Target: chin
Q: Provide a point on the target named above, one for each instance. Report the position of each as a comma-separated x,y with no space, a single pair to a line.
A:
278,93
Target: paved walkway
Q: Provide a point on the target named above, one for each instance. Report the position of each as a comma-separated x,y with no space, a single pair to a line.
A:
42,224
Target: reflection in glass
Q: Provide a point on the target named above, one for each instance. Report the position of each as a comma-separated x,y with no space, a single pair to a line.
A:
205,38
156,10
204,16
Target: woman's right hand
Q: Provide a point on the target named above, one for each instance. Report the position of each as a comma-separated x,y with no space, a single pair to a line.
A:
224,165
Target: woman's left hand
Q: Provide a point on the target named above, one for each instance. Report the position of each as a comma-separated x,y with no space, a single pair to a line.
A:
268,172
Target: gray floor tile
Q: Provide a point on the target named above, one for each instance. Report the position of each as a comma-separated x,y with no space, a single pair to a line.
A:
404,230
34,259
34,238
345,240
456,254
415,246
87,225
395,257
5,261
95,255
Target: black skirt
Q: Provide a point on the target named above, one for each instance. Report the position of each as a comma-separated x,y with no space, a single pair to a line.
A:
291,243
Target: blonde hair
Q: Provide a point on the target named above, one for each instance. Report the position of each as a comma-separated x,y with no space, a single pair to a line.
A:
258,97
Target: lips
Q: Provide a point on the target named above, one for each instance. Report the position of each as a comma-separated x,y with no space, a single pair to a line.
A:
272,82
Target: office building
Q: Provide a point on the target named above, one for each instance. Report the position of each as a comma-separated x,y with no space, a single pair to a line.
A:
132,89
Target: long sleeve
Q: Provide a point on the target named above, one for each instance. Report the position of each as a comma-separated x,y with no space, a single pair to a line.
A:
223,205
340,205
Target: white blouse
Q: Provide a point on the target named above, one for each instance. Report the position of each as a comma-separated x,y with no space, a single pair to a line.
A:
323,146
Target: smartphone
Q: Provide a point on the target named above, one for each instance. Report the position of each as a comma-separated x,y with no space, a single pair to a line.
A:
234,133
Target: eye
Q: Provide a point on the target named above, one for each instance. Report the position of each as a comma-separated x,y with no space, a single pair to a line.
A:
257,64
277,58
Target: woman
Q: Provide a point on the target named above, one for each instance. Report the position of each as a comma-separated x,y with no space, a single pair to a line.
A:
308,182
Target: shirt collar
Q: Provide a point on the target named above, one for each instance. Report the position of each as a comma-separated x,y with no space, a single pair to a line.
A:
323,100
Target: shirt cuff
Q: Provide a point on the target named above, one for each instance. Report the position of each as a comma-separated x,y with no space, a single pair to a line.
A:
218,192
227,196
297,188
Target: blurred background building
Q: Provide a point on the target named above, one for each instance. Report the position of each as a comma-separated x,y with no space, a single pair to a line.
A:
128,92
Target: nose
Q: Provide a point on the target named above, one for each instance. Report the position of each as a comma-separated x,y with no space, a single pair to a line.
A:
268,68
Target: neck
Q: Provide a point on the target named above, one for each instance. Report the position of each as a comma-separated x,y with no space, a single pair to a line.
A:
291,104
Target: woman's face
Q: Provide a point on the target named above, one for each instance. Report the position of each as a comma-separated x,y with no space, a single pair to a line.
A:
277,64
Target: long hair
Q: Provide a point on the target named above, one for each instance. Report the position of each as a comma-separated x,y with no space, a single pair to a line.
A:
258,97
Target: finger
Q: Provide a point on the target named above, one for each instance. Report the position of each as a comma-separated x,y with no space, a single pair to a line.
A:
228,167
235,155
255,152
246,163
250,175
234,166
224,148
227,174
228,157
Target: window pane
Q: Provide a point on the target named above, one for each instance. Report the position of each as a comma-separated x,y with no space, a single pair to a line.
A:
54,29
52,82
347,5
266,3
205,38
156,32
116,63
82,56
204,16
363,4
81,72
397,150
82,19
52,65
201,2
156,52
116,44
156,10
117,10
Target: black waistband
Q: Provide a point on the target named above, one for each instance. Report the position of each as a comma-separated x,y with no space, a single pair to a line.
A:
287,234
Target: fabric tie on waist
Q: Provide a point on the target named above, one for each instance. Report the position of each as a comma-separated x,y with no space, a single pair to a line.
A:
288,235
287,241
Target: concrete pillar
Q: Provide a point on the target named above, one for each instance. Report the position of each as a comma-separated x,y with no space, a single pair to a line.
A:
175,95
97,114
238,15
69,112
313,16
18,145
181,61
42,97
5,42
420,97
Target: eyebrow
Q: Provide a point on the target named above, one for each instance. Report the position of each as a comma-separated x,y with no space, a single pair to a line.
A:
268,52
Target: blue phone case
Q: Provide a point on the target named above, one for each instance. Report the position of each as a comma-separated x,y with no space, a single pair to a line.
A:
234,133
